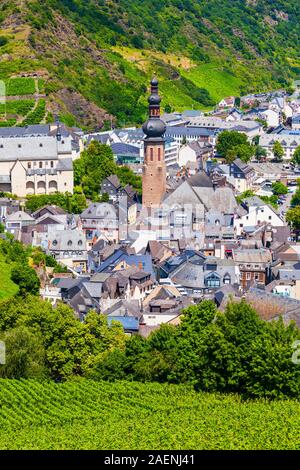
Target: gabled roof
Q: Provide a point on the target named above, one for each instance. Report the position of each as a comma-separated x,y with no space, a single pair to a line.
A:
200,180
54,210
27,131
99,210
114,180
242,166
19,216
156,249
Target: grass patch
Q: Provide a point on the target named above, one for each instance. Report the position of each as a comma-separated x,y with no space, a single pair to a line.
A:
7,287
218,82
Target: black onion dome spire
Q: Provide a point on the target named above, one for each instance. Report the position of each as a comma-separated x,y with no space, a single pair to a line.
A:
154,127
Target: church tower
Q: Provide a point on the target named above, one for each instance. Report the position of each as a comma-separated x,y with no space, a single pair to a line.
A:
154,171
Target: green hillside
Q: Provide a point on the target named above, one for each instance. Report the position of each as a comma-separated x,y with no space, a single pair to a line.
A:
7,287
95,57
91,415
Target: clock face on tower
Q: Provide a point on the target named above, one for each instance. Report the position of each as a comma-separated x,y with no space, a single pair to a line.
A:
154,171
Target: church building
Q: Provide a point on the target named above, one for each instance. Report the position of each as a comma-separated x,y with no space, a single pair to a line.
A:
154,171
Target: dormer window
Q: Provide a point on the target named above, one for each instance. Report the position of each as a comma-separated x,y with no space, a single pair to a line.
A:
70,243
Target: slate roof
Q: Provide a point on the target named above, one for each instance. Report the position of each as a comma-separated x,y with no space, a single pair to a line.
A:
102,138
191,113
100,277
54,210
242,166
19,216
200,180
93,288
189,131
66,283
156,249
120,148
124,308
27,131
67,240
99,210
114,180
65,164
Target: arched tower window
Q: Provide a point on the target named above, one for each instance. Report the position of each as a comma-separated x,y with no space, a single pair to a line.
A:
151,154
159,154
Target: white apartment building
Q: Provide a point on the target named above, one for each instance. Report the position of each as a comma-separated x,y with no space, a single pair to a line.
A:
289,142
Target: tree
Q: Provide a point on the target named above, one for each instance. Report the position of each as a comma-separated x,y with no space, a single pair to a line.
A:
263,122
231,156
278,151
105,197
293,217
25,354
279,188
232,145
260,153
227,140
72,347
27,280
75,203
296,198
244,195
296,156
244,151
95,164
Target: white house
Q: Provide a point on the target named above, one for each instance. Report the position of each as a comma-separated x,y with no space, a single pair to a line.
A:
280,105
258,213
17,220
227,102
271,117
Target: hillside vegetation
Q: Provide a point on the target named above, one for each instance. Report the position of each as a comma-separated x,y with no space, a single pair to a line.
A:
7,287
97,56
90,415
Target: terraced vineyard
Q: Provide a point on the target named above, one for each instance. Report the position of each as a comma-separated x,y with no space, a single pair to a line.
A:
92,415
24,104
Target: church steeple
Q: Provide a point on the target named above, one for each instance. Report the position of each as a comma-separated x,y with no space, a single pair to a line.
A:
154,171
154,127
